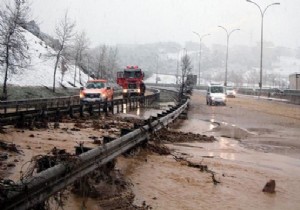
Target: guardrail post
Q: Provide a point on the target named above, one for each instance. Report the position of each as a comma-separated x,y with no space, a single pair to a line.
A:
107,139
136,102
57,115
118,106
81,110
99,108
90,109
142,101
112,106
105,108
125,131
21,121
71,113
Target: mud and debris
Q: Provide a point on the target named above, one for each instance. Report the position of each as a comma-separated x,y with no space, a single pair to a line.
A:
110,189
9,147
47,146
158,148
40,162
172,136
162,179
270,186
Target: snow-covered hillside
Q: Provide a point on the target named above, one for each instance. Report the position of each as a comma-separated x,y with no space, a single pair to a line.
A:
162,79
287,65
41,69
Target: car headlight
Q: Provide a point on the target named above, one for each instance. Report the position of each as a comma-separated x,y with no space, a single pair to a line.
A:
212,98
103,95
125,90
139,90
81,95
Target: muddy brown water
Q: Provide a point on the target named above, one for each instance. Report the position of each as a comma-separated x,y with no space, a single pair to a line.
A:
257,141
241,158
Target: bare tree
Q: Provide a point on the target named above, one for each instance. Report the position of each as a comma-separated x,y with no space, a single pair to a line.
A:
64,33
112,62
81,45
13,45
237,78
63,68
101,60
186,67
252,77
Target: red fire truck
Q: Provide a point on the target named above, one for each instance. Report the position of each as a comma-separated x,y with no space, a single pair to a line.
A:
131,80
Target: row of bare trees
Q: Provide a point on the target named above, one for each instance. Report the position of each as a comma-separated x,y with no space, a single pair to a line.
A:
71,47
13,45
100,62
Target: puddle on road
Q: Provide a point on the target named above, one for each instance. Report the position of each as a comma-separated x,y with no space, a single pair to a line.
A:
145,113
196,126
229,146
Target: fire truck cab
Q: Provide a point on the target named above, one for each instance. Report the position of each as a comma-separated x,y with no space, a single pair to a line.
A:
131,81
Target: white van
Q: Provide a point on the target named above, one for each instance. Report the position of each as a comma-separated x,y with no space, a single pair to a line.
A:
216,94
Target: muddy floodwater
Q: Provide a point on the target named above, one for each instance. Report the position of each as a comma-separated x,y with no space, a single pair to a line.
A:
256,141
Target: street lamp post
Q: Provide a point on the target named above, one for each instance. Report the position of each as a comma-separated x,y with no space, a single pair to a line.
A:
262,12
228,36
156,79
200,40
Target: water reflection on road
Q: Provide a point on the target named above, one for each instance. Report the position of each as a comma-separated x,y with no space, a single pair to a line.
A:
230,148
147,112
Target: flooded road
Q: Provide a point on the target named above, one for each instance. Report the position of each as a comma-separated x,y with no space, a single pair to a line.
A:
242,160
256,141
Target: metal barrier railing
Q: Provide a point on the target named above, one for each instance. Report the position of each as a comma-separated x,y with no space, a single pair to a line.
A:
12,111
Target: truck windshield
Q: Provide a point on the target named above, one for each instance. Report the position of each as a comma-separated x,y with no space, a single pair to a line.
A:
95,85
217,89
132,74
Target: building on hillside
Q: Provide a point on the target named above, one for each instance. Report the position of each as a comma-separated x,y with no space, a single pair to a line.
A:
294,81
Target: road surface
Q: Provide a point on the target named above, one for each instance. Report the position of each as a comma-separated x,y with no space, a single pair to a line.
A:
258,140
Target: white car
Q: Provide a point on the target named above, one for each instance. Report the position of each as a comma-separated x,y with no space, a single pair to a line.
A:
216,94
230,92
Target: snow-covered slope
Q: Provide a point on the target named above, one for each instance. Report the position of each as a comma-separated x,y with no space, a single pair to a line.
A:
41,69
162,79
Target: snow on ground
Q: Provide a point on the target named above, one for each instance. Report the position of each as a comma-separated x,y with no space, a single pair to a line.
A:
162,78
288,65
40,72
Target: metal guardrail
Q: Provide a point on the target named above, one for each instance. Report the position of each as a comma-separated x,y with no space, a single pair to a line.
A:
12,111
292,96
36,189
38,103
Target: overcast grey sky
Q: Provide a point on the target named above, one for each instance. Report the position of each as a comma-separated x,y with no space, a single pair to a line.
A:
146,21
